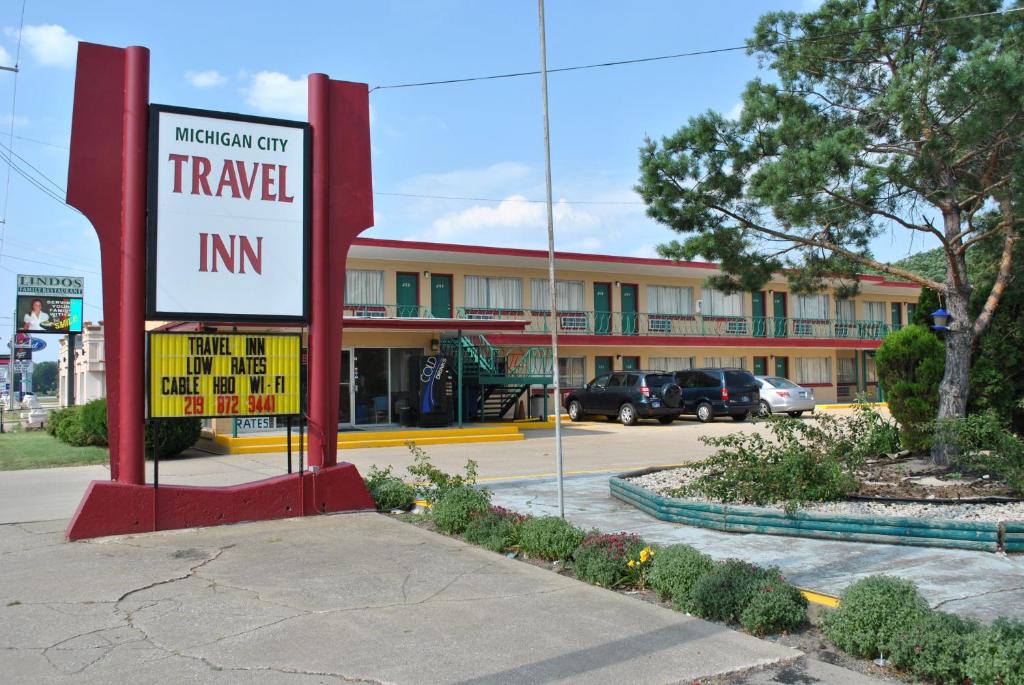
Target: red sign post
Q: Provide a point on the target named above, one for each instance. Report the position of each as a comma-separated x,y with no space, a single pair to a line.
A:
107,182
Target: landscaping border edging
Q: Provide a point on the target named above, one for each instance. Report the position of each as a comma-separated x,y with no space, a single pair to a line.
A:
986,536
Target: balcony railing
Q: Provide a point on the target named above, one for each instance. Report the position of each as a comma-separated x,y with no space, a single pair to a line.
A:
644,324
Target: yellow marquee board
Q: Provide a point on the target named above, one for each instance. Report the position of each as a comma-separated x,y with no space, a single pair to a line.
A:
210,375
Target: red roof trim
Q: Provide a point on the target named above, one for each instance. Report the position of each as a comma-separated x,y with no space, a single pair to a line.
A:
435,324
627,341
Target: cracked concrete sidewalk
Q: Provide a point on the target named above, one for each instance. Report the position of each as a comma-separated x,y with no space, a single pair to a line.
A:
350,598
984,585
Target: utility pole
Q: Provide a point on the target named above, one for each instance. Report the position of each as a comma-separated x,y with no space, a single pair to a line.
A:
551,261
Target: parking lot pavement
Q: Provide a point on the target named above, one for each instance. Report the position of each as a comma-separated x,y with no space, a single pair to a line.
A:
984,585
352,598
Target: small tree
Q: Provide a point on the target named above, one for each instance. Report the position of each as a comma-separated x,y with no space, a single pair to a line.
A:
910,366
906,114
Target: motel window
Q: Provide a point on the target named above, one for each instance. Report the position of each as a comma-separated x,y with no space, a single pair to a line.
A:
874,311
572,372
568,295
811,307
724,362
911,311
494,293
813,370
716,303
670,363
846,370
364,287
845,310
870,370
669,299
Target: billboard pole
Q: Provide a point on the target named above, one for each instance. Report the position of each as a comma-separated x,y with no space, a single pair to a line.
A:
10,361
551,261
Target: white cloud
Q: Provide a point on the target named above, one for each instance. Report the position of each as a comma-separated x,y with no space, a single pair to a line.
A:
501,179
735,112
51,45
18,120
6,60
211,78
272,92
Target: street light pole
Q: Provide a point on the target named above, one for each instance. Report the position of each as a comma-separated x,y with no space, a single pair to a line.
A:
551,260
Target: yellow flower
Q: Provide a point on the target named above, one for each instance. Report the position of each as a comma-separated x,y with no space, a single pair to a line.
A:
631,563
645,554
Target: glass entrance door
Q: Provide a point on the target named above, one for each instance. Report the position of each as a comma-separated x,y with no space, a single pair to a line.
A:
345,389
370,374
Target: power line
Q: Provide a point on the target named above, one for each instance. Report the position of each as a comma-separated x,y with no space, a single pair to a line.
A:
507,199
698,53
14,104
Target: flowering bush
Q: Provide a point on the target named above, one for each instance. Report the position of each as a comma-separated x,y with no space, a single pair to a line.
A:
497,529
453,510
603,559
675,571
774,606
723,593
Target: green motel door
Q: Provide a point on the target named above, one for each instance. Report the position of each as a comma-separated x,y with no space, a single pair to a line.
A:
627,296
779,311
760,366
441,296
602,309
602,365
759,314
782,367
407,286
896,314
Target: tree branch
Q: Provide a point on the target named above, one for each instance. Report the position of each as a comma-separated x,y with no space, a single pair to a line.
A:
1002,279
888,215
838,249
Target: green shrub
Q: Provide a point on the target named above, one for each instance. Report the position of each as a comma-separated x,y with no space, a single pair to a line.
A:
453,511
94,421
911,362
388,491
431,482
603,559
934,647
872,614
995,655
674,572
725,591
70,429
497,529
172,436
987,447
549,537
56,417
774,607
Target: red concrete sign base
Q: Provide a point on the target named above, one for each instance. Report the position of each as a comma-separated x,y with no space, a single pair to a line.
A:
112,508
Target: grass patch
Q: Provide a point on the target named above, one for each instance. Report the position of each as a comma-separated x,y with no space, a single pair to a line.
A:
37,450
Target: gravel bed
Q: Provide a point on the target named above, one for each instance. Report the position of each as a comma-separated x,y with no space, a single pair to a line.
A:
662,482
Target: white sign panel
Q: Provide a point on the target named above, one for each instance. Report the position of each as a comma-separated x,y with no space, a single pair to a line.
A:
229,217
23,366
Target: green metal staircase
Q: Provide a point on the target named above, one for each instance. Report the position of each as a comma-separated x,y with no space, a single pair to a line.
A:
501,376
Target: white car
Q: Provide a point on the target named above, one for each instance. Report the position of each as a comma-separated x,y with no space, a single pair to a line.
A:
781,395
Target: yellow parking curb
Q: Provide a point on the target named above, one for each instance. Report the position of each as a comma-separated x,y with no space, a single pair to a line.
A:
819,598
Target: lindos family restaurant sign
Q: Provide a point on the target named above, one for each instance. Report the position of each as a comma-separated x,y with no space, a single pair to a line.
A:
228,218
223,375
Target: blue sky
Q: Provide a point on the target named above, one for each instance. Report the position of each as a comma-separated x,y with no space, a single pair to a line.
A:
472,140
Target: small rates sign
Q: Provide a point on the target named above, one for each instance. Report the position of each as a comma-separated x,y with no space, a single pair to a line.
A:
223,375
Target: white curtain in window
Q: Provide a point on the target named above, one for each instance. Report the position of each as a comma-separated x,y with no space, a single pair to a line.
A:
717,303
670,363
845,310
874,311
813,370
568,295
572,371
846,371
669,299
870,370
505,293
811,307
724,362
476,291
364,287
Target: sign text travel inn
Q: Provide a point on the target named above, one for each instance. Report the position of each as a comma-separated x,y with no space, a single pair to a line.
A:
229,217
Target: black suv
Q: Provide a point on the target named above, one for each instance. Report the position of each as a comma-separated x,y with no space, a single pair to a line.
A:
718,392
628,395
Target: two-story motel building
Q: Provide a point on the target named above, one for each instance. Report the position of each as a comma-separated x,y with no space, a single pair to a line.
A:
408,298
